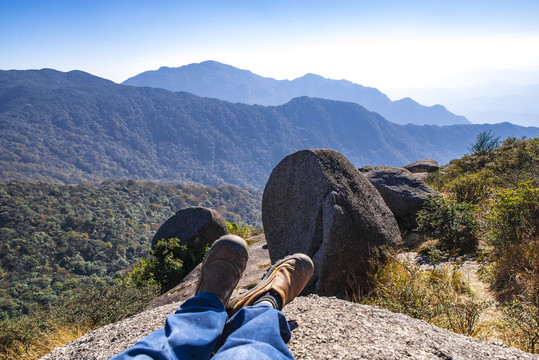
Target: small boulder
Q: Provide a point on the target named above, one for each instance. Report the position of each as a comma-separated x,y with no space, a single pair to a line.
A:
422,166
194,226
402,191
317,203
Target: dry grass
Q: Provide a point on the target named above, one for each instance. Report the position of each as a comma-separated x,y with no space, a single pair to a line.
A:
438,294
449,294
43,342
32,336
263,266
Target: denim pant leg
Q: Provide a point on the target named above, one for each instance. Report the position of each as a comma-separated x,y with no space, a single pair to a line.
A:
190,333
256,332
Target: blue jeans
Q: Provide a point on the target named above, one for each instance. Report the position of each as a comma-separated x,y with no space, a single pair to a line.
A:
201,325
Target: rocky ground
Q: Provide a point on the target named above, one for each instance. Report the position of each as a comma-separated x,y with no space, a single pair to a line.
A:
322,328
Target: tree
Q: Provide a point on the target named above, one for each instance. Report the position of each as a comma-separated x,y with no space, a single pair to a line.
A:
484,143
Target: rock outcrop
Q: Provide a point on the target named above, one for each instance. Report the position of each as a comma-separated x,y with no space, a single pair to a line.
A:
317,203
422,166
403,193
322,328
194,226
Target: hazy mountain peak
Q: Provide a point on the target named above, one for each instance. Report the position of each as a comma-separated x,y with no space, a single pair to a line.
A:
406,100
215,67
311,76
213,79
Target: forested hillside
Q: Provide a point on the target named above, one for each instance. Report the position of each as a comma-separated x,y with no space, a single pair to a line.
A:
487,219
73,127
55,238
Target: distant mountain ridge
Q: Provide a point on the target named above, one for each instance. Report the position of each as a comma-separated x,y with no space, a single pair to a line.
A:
491,102
225,82
72,127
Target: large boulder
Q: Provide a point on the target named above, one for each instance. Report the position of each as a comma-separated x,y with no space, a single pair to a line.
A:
403,193
194,226
317,203
422,166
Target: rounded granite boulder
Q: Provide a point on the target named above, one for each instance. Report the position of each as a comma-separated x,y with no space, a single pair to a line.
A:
317,203
422,166
194,226
403,192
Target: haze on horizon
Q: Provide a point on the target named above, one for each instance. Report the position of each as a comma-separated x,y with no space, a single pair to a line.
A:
392,45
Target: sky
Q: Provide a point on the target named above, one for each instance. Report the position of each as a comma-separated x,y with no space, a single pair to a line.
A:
387,44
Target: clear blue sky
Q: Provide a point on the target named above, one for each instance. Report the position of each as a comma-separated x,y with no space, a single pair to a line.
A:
383,43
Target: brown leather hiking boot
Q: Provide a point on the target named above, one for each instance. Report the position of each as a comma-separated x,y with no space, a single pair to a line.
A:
223,267
287,277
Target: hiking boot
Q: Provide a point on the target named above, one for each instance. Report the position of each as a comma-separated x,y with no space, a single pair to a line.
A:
223,267
285,279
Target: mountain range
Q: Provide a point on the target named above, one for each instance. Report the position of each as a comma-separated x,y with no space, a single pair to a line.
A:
72,127
225,82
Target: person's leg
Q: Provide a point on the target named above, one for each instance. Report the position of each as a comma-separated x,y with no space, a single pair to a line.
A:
190,333
256,332
194,329
258,328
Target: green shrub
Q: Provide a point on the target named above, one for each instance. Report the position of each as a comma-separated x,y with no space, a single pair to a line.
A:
241,230
523,317
244,231
514,235
451,222
169,263
516,160
436,179
515,215
472,188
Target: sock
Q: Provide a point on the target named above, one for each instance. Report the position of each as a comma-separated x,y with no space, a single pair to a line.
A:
271,297
265,302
